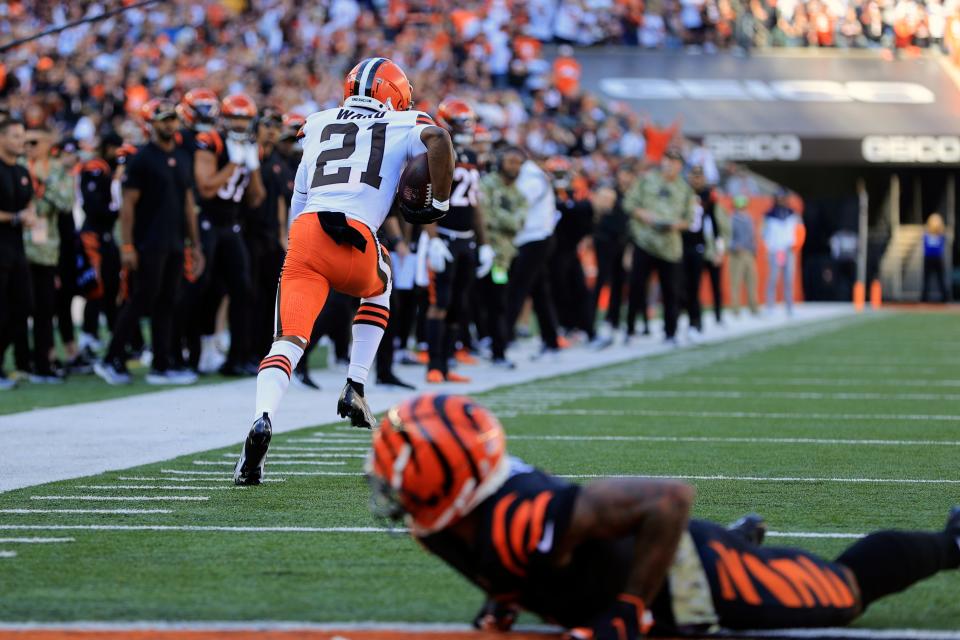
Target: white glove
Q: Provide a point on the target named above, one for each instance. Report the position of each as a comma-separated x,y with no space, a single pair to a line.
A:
485,257
438,255
236,152
252,156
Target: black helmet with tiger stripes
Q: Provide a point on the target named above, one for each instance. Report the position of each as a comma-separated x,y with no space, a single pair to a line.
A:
434,459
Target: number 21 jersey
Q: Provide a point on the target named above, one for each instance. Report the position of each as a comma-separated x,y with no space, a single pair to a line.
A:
352,160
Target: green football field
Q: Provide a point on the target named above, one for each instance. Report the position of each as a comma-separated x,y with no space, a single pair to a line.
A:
841,427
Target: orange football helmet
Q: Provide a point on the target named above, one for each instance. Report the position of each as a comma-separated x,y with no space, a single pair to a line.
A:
458,117
238,105
378,83
199,108
157,109
434,459
291,125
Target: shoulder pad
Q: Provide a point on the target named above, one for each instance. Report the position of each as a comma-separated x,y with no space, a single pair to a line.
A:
210,141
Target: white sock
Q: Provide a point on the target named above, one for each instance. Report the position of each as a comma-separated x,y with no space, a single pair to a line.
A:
274,376
368,328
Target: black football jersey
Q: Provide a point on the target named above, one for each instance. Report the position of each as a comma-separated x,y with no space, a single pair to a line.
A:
464,193
512,556
224,208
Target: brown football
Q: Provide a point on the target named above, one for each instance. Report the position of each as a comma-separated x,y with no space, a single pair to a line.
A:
414,188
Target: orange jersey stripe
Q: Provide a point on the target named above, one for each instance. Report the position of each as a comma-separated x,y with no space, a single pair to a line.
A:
772,581
802,582
500,534
537,516
519,526
731,559
836,598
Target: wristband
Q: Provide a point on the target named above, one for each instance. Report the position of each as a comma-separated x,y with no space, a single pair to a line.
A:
441,205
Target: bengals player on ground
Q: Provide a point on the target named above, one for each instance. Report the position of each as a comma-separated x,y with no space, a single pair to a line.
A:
614,557
353,156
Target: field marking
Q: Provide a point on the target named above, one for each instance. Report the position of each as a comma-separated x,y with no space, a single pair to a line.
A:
8,554
743,440
220,476
320,449
286,473
739,395
657,413
249,529
764,478
766,381
102,511
35,540
217,463
125,498
294,456
153,488
432,629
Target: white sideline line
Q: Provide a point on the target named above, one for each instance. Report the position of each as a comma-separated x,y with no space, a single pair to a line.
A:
320,449
656,413
442,627
153,488
295,456
749,395
8,554
35,540
813,534
830,441
285,473
105,511
217,463
126,498
767,479
221,476
766,381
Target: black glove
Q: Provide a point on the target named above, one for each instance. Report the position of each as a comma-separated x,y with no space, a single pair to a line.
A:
425,215
623,621
496,616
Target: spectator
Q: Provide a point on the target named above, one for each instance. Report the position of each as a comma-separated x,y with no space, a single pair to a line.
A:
610,241
743,256
934,267
780,237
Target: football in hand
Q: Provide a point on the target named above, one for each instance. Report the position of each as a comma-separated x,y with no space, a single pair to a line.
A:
414,189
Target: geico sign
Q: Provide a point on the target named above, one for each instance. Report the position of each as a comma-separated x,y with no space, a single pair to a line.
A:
923,149
762,91
754,147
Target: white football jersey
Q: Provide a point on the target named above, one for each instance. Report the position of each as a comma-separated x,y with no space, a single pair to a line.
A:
352,161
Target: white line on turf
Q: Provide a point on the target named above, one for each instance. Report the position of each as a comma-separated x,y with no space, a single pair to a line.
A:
286,473
816,441
218,476
766,381
35,540
125,498
441,627
101,511
274,456
179,487
217,463
767,479
738,395
656,413
8,554
318,449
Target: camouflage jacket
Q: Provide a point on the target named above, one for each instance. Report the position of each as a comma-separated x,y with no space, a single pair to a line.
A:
53,198
714,249
669,202
504,209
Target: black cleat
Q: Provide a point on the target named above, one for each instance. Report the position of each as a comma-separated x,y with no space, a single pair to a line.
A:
393,381
751,527
352,404
953,522
249,469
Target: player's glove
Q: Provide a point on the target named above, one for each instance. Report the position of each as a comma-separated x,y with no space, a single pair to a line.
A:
485,257
428,214
236,152
625,620
251,156
496,616
438,255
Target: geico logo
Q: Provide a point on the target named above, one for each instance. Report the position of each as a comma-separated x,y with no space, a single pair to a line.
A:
925,149
762,91
757,147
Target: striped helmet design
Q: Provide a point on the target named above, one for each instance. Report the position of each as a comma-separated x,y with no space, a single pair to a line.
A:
382,80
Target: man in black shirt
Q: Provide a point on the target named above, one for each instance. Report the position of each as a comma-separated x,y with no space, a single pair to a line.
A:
100,200
610,240
265,231
16,213
156,214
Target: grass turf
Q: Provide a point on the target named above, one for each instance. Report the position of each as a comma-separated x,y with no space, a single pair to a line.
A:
898,369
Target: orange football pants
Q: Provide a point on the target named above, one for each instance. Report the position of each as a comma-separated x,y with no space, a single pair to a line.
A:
315,264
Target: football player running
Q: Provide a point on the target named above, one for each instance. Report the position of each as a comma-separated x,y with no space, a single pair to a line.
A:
617,557
345,185
452,253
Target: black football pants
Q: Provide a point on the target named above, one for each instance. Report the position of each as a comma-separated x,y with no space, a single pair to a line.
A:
529,276
610,271
644,265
